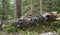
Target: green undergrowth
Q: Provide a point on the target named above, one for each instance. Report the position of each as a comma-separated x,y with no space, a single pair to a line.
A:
38,28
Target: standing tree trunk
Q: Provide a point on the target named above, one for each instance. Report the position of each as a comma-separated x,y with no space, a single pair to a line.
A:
41,11
31,6
3,17
17,9
3,10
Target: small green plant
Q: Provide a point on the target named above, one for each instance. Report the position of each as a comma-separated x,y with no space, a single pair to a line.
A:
11,28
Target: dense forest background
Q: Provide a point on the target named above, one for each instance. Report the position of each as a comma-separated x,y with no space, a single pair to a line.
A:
47,5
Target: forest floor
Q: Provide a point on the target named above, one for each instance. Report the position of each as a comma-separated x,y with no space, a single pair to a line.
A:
25,32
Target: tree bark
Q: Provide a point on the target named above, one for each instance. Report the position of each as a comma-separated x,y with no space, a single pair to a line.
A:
3,12
17,9
31,6
41,11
